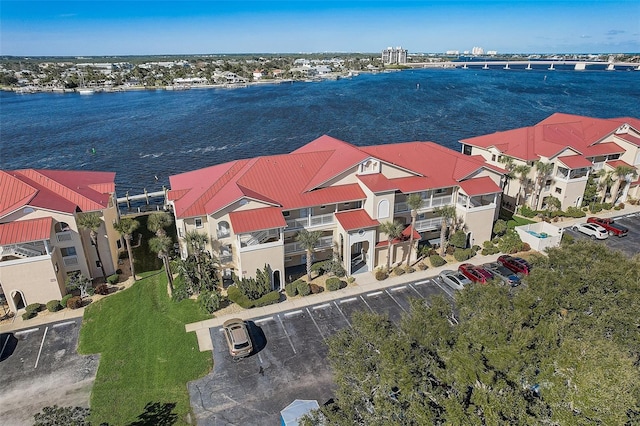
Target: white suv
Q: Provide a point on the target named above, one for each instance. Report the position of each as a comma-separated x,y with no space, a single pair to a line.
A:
592,230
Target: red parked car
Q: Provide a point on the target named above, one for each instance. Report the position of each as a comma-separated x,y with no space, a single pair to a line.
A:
516,264
610,225
475,273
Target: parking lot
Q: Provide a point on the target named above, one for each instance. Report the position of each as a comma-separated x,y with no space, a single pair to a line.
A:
289,359
630,245
40,367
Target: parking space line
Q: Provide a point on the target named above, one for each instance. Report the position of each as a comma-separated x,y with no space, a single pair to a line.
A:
288,314
326,305
287,334
20,333
62,324
365,302
342,313
422,282
316,324
444,289
260,321
417,292
351,299
402,287
41,345
394,299
375,293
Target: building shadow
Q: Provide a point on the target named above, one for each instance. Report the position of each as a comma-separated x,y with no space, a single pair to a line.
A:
8,343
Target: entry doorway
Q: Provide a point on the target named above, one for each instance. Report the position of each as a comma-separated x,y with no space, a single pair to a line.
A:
18,300
359,257
277,282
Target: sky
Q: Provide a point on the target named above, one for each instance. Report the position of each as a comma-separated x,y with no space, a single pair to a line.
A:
99,28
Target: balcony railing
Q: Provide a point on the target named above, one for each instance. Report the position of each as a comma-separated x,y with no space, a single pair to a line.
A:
223,233
318,220
428,224
296,247
427,203
70,260
19,251
260,237
63,236
226,258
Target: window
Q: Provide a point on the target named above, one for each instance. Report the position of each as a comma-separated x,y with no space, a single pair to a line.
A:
440,191
98,264
286,214
383,209
493,157
323,207
119,244
558,190
68,251
466,149
547,185
198,222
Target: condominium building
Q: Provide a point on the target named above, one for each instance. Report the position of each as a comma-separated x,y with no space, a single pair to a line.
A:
41,243
576,147
253,209
394,56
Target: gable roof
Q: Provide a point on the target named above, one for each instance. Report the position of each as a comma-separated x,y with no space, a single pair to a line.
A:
480,186
555,134
25,231
256,219
58,190
299,179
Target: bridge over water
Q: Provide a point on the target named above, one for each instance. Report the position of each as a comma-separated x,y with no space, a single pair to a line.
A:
537,65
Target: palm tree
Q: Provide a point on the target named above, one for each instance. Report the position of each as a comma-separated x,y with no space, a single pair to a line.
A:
522,172
415,203
448,215
621,172
308,241
393,231
157,222
93,222
196,243
161,246
543,171
509,166
126,227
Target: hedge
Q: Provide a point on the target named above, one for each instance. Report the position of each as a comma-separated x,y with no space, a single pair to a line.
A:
291,289
235,295
437,260
34,307
28,315
53,306
334,283
63,301
463,254
303,288
381,274
113,279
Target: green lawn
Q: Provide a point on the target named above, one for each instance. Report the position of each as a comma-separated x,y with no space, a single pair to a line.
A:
147,358
518,221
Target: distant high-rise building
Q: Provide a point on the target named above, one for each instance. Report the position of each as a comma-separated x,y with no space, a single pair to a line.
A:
477,51
396,55
452,52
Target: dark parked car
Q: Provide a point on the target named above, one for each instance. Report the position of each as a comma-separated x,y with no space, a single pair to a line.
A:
238,340
503,273
610,225
516,264
475,273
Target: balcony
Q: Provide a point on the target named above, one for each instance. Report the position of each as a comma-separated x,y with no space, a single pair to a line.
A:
571,174
223,233
64,236
70,260
311,221
260,237
482,202
427,204
226,258
323,243
428,224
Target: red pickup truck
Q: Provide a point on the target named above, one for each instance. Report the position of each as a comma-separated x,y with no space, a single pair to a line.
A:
609,225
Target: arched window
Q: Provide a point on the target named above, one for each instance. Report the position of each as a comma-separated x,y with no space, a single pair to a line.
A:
62,227
383,209
223,229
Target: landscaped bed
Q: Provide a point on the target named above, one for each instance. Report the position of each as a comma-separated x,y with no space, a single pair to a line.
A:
147,358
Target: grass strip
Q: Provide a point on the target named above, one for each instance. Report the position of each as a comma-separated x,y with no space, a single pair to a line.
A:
146,358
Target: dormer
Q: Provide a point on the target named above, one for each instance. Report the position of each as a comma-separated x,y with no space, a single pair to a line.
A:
369,166
622,129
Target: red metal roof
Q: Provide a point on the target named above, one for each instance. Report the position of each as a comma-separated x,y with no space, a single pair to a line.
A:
355,219
629,138
407,233
575,161
602,149
479,186
254,220
58,190
25,231
615,163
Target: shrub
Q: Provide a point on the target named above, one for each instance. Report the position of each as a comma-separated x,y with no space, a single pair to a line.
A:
607,206
621,206
315,288
575,212
500,227
102,289
525,247
74,302
398,270
209,301
28,315
334,284
462,254
303,288
510,242
409,269
113,279
34,307
527,212
459,239
616,208
351,280
422,266
291,288
319,267
450,249
381,274
436,260
267,299
567,239
235,295
180,292
53,306
63,301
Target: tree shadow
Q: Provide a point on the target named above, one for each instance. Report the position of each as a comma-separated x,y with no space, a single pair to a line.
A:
157,414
